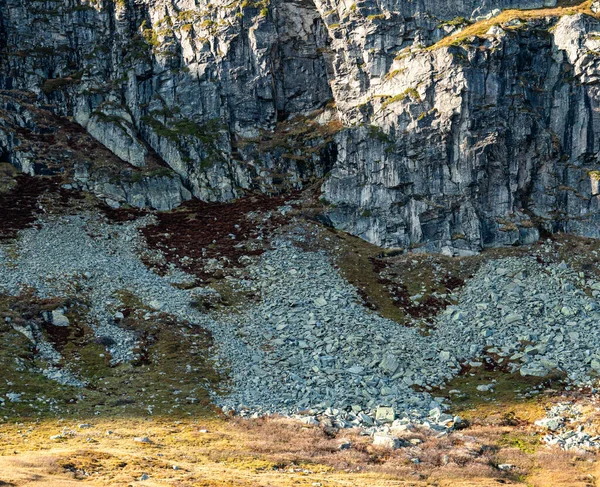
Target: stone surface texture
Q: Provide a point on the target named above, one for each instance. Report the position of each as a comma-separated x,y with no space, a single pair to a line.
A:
485,141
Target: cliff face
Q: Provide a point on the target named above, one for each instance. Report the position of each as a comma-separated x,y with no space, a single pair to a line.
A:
478,144
425,137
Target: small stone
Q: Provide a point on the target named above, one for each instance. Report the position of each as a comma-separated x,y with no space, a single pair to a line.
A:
84,426
13,397
513,318
144,477
553,424
157,305
534,370
368,420
389,364
142,439
310,420
356,370
112,203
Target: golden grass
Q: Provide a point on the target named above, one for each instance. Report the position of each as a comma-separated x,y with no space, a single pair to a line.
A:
272,452
480,28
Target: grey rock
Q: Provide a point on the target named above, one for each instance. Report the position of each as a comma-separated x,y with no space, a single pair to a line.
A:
552,424
197,92
344,445
59,318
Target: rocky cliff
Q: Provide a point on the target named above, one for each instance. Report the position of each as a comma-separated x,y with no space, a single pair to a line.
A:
436,124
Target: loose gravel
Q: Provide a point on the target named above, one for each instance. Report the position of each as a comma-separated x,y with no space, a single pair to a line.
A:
310,343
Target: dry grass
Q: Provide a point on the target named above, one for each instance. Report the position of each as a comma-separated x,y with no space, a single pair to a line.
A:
482,27
274,452
34,469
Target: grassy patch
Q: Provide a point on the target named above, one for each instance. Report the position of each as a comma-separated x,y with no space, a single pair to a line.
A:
511,401
480,28
278,452
410,93
172,374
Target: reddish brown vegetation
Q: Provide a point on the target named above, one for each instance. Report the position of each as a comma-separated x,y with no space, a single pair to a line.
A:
430,306
19,207
198,231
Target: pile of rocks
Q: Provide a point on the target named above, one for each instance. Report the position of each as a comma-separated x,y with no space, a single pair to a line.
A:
559,424
309,344
316,346
313,345
536,318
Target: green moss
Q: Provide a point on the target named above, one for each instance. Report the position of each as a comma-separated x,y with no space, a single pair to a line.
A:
411,93
455,22
377,133
394,73
149,35
527,443
170,377
594,175
208,133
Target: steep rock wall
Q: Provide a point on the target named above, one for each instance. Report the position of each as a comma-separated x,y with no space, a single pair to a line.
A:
489,140
486,143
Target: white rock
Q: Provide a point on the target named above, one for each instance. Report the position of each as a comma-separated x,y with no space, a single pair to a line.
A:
386,441
59,318
385,414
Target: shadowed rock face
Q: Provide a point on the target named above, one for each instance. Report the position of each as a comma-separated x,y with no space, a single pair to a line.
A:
490,141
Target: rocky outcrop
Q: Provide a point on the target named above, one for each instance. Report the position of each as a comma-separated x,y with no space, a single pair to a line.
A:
427,138
489,141
197,82
36,141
